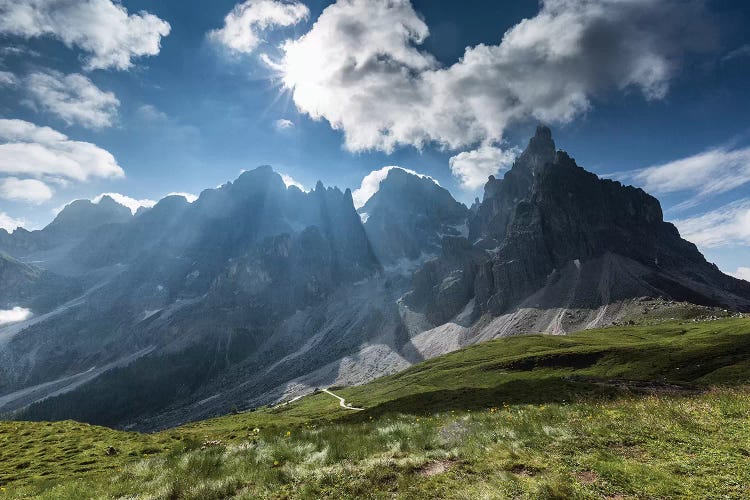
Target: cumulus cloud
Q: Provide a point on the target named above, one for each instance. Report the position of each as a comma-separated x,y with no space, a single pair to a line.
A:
283,124
42,152
243,26
103,29
8,79
74,98
32,190
126,201
726,226
742,273
371,184
14,315
10,223
360,67
472,168
711,172
290,181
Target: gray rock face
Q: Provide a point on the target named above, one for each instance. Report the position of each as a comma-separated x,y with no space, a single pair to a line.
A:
547,212
502,196
409,215
74,222
29,287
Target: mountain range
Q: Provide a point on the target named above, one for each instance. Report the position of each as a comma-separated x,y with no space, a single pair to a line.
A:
258,292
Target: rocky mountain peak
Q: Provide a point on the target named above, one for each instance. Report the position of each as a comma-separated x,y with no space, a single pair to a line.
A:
409,215
259,180
404,188
82,216
548,215
540,151
501,196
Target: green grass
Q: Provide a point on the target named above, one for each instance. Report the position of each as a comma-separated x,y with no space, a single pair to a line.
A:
630,412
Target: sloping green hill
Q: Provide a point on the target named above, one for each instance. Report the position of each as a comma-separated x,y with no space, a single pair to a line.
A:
642,411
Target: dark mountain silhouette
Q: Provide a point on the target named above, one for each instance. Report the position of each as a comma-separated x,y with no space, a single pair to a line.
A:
548,213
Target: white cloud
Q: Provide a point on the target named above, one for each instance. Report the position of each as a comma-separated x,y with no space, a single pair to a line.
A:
101,28
32,190
14,315
9,223
151,113
8,79
283,124
74,98
243,26
360,68
472,168
29,150
710,172
126,201
17,51
290,181
725,226
189,197
371,184
742,273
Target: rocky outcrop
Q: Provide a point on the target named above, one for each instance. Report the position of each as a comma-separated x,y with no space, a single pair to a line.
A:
409,215
502,196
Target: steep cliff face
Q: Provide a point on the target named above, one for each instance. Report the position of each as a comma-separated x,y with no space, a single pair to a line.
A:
409,215
502,196
572,215
548,212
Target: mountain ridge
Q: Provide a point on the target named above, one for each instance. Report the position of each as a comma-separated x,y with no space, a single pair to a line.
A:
258,292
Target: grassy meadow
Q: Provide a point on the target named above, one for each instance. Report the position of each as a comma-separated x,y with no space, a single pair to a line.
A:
660,411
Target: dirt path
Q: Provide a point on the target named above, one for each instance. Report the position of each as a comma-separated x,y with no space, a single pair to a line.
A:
342,402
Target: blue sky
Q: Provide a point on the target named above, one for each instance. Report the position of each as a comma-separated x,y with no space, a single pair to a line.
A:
183,98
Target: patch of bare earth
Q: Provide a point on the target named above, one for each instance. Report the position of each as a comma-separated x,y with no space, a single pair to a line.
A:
436,467
523,471
587,477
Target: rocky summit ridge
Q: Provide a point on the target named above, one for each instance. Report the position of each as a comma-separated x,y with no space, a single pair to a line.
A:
257,292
